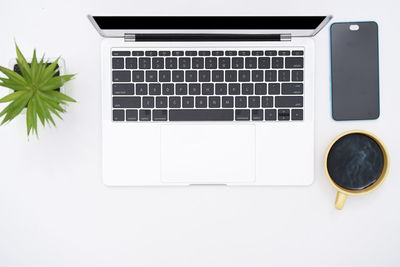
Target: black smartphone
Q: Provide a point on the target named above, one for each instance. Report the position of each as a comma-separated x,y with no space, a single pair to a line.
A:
354,70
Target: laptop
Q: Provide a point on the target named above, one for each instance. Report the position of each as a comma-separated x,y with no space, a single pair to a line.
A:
200,100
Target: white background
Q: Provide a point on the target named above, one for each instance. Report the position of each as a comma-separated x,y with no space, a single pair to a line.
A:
55,211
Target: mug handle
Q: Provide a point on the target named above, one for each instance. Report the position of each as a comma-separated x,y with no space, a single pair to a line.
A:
340,199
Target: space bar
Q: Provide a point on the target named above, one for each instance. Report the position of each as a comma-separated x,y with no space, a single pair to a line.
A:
201,114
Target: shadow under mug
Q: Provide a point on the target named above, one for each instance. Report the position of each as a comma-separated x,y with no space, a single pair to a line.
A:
342,192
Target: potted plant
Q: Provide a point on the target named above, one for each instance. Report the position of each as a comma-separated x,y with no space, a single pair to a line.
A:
34,87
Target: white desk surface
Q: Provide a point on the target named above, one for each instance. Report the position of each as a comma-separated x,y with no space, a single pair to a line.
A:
55,211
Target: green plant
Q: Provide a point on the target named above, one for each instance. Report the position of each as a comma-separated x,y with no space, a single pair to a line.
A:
34,90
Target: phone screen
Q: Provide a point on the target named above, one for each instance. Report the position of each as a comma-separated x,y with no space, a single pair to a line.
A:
355,71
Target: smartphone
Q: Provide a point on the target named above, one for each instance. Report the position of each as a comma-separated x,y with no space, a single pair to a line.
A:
354,70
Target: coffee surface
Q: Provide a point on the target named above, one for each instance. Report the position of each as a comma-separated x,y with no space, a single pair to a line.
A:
355,161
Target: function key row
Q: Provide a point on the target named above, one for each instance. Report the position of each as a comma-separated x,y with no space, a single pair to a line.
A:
207,115
218,53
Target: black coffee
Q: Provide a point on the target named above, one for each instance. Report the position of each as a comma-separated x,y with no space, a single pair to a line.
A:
355,161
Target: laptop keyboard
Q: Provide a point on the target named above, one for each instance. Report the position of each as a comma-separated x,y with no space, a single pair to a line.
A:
207,85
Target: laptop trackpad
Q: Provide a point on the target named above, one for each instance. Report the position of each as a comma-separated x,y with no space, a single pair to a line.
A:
208,154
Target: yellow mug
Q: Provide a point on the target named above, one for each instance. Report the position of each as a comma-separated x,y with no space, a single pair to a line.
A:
342,192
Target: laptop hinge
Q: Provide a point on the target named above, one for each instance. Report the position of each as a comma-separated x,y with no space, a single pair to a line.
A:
131,37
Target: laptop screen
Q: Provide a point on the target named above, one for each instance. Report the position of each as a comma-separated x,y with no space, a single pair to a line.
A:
208,22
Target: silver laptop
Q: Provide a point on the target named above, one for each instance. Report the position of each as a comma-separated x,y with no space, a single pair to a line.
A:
207,100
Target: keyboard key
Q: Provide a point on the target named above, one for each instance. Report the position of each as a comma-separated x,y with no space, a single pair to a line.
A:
188,102
257,53
141,89
137,53
157,63
284,75
171,63
197,62
271,53
224,63
217,53
177,53
118,63
270,114
274,88
155,89
194,89
204,76
214,102
294,62
244,53
240,102
151,76
138,76
164,76
164,53
254,102
200,114
227,101
277,62
247,88
244,75
131,114
126,102
121,76
122,89
297,114
181,89
168,88
288,101
191,76
210,62
118,115
144,115
257,75
161,102
292,88
297,52
178,76
237,63
250,62
160,115
207,89
283,114
257,114
231,76
131,63
204,53
263,62
261,88
230,53
242,114
221,89
190,53
217,76
284,53
270,76
267,101
151,53
297,75
174,102
201,102
184,63
121,53
148,102
234,88
144,63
